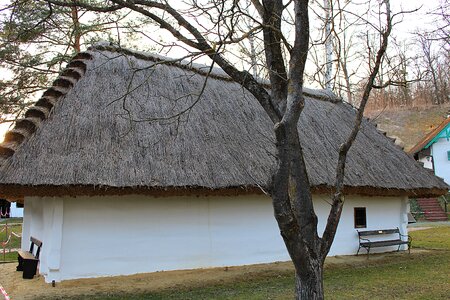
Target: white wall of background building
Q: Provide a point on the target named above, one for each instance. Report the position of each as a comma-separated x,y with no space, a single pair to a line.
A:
441,162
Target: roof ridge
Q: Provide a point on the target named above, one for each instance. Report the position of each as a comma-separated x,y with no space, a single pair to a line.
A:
202,69
41,110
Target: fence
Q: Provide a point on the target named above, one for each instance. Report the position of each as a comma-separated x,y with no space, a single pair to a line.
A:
10,239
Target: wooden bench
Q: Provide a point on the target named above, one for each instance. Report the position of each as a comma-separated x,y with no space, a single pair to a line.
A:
28,261
368,244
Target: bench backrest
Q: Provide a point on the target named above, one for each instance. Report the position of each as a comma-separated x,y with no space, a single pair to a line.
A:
36,242
378,232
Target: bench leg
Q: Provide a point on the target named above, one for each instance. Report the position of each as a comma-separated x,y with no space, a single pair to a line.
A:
29,269
368,251
358,251
20,265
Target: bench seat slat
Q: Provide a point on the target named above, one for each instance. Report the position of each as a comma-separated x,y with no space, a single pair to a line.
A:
378,232
383,243
26,255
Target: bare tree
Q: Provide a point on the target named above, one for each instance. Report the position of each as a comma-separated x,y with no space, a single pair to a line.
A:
336,51
441,15
328,44
430,60
210,27
344,60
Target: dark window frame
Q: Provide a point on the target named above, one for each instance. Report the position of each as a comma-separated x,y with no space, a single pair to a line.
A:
360,217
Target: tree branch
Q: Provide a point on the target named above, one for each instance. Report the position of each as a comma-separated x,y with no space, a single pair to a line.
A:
273,10
338,197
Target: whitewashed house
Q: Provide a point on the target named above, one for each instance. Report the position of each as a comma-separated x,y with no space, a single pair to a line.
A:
434,150
16,211
116,181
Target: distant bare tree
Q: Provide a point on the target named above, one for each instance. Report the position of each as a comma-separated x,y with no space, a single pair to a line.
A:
430,61
441,15
328,22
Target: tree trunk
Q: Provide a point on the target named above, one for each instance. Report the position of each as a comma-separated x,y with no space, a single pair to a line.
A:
293,205
328,46
310,285
253,55
76,30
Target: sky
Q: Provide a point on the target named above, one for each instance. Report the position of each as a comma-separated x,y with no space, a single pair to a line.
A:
417,20
411,22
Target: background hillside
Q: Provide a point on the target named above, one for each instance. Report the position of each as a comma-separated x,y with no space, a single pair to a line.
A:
409,125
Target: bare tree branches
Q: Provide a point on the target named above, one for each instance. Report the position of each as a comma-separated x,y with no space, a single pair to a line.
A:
338,197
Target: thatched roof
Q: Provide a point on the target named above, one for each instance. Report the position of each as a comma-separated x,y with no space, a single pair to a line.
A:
103,129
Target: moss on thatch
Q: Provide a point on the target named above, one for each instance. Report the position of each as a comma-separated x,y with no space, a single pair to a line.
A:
116,126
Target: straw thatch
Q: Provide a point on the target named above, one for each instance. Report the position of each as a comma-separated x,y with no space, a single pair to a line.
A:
105,128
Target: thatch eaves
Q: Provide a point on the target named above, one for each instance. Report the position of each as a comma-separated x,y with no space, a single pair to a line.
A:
112,124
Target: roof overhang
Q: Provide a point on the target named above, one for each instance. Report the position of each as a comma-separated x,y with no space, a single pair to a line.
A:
15,192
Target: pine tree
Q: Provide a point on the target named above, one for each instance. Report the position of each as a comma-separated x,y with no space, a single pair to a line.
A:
37,39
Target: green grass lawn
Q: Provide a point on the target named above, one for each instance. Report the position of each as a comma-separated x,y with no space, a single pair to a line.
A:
8,257
11,220
421,275
435,238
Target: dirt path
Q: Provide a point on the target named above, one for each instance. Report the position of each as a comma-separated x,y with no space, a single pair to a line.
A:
36,288
417,228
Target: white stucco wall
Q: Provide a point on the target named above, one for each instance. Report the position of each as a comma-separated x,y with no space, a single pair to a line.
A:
441,163
33,221
104,236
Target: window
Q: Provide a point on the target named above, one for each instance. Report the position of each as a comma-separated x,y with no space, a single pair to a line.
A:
360,217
